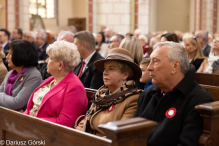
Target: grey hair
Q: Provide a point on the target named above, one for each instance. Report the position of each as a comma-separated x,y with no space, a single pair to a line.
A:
72,28
143,37
32,33
119,37
65,52
176,52
65,33
204,35
44,35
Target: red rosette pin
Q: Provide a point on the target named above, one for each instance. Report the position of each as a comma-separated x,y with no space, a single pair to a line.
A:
170,113
21,80
110,108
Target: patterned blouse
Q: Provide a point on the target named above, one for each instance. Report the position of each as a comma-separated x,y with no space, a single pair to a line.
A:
38,97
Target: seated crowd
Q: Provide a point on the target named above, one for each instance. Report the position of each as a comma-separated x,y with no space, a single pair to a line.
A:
134,75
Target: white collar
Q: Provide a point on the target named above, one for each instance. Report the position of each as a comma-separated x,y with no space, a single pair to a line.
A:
88,58
3,45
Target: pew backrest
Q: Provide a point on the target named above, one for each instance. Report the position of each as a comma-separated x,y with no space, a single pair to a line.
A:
17,127
210,82
90,93
207,79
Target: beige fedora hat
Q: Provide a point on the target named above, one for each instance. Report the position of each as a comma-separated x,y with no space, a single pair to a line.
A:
120,54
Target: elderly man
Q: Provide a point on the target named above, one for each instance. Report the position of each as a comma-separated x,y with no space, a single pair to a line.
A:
115,41
86,71
202,36
30,36
66,36
171,102
41,42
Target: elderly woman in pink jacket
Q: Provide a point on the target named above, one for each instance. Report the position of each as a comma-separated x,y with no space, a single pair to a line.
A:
61,98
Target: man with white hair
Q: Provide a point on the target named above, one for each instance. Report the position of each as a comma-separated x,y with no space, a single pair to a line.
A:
137,32
41,42
202,37
30,36
66,36
171,101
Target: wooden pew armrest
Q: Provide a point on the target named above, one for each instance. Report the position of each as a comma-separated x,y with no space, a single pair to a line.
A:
119,131
208,110
210,113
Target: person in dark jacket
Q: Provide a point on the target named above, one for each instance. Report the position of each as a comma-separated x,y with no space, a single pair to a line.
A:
90,76
41,42
171,101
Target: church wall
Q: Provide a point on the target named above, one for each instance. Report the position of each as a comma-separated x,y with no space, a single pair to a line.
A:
173,15
2,14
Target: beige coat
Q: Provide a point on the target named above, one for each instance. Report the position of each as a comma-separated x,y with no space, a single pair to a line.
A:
3,71
121,111
204,66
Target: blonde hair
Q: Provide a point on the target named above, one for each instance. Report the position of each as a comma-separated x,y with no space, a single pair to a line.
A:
133,45
198,52
65,52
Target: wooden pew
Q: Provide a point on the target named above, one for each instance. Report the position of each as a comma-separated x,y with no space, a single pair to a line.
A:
210,83
209,111
17,127
207,79
210,114
90,95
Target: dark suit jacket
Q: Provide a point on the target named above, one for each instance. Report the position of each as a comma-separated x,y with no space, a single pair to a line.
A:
42,52
44,72
206,50
6,50
91,77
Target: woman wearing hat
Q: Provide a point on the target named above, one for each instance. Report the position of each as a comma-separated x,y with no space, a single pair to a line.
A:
117,98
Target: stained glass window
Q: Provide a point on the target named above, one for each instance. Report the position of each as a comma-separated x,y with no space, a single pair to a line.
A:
44,8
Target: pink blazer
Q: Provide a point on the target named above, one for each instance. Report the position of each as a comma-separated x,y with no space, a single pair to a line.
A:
64,103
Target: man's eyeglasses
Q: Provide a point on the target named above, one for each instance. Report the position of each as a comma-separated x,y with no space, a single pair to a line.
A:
215,40
112,41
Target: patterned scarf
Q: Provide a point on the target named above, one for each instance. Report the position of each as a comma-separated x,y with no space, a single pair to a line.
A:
104,99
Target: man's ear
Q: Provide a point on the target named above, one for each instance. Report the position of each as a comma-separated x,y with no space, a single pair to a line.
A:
84,45
176,66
